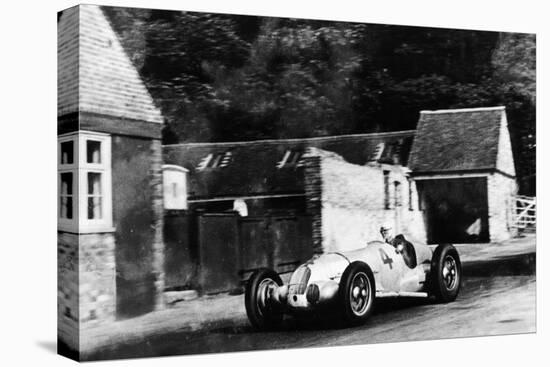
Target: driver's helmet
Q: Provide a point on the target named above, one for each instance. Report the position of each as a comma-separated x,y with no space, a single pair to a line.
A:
386,232
386,227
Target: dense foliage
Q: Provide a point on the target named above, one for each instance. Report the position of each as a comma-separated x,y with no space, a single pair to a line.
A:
226,77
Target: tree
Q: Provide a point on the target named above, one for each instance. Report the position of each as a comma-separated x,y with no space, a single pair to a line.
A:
223,77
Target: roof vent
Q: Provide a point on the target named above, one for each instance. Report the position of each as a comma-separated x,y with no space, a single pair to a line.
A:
218,160
292,158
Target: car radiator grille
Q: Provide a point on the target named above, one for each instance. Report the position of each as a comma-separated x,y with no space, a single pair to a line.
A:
298,281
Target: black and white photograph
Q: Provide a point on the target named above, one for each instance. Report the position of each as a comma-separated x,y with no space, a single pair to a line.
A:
235,183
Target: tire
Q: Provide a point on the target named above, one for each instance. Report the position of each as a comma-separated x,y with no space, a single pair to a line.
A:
445,273
356,307
263,315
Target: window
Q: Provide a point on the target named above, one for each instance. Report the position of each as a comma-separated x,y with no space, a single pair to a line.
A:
391,153
397,194
386,189
290,159
66,195
174,181
84,180
420,195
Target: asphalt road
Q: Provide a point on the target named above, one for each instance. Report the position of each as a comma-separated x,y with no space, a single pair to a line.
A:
495,299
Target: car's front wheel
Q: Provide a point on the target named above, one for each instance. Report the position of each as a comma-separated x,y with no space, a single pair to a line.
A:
356,293
446,273
262,311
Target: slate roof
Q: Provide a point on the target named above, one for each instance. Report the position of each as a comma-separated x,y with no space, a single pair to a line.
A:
253,170
456,140
94,72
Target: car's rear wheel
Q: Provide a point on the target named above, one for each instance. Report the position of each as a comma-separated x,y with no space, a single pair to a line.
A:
446,273
262,311
356,293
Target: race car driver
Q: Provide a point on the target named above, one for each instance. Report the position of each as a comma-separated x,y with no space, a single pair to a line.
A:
401,245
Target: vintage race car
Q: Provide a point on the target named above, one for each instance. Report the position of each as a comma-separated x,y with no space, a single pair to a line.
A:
351,281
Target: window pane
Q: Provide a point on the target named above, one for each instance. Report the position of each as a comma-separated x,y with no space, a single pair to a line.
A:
94,183
67,183
66,199
67,152
94,195
94,207
93,151
66,207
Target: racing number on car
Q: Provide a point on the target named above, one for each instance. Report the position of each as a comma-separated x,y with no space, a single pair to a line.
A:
385,258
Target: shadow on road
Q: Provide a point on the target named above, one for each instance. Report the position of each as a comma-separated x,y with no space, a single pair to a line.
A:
523,264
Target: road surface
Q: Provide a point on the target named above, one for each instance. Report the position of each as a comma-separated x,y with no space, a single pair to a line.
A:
491,304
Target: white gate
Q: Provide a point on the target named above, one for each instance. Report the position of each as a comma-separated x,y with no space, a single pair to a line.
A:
524,212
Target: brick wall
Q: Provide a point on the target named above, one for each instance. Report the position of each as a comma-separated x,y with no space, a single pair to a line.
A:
500,191
312,184
158,222
348,205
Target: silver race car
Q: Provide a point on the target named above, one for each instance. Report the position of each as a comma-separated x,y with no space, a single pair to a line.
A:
349,282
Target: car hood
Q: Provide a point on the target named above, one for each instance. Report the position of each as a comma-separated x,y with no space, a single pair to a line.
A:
329,266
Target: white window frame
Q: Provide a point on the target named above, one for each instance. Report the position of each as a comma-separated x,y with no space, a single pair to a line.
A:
80,169
64,223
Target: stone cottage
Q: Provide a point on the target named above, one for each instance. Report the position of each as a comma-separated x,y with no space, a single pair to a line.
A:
109,179
463,164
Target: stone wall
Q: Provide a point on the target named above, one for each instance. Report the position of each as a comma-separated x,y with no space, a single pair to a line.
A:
348,203
505,157
500,190
67,290
97,291
86,283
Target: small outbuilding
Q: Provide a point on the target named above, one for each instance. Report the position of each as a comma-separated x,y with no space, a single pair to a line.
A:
464,168
109,222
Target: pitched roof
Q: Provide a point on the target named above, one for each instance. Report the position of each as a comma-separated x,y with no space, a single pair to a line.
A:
67,61
253,167
456,140
94,72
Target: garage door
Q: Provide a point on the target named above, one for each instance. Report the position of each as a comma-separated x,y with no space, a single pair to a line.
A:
455,210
